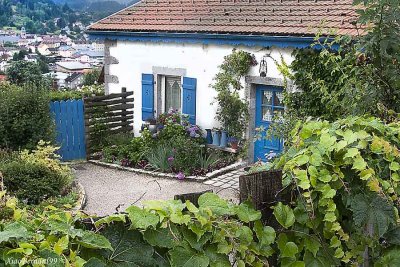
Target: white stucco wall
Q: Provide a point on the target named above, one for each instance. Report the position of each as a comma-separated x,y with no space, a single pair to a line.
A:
199,61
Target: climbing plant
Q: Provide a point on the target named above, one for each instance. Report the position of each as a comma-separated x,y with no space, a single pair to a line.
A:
345,182
232,110
163,233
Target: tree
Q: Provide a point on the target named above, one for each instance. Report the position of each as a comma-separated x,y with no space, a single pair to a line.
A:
91,77
361,77
24,72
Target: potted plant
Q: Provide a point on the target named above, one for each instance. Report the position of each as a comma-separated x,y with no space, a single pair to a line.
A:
152,125
234,142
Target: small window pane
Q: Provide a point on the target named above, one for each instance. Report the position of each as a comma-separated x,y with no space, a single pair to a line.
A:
278,99
172,93
267,98
267,114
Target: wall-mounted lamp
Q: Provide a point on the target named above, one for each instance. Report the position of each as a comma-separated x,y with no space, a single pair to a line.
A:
263,64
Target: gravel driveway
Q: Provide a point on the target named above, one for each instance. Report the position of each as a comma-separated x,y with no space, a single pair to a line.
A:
106,189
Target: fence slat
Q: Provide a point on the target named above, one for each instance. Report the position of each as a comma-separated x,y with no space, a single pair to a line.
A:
82,145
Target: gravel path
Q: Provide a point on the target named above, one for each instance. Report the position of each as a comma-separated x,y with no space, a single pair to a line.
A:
106,189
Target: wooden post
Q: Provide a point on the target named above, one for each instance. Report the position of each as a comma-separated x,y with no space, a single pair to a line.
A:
263,190
123,116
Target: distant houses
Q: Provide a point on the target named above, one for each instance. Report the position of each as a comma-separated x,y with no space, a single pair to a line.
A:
70,58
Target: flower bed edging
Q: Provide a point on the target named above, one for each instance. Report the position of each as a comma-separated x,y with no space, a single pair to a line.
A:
210,175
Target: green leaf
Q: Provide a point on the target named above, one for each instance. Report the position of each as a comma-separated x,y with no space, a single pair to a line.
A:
95,262
93,240
351,153
160,237
316,158
284,215
217,205
142,219
389,258
327,141
312,245
61,245
290,250
52,259
301,160
266,235
316,261
216,259
245,235
110,219
247,213
302,178
129,247
192,239
374,211
186,257
359,163
394,166
15,230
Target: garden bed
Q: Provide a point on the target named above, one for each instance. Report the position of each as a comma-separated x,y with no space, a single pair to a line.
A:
207,176
169,146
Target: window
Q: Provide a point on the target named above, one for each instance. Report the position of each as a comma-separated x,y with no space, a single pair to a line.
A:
170,93
173,93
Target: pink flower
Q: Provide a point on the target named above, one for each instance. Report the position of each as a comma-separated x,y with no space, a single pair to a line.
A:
171,159
180,176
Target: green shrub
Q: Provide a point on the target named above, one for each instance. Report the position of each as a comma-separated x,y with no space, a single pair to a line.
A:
32,181
128,154
37,175
25,117
186,152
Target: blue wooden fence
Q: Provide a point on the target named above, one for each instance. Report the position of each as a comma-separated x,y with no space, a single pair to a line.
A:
70,127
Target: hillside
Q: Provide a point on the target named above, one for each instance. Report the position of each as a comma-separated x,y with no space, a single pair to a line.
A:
37,16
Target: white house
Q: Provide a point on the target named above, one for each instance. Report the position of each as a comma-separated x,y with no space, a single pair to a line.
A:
171,49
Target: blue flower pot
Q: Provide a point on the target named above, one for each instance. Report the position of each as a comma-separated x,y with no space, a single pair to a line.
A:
209,138
216,138
224,139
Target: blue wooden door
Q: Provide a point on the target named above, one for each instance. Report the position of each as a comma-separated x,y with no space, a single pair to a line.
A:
70,129
269,106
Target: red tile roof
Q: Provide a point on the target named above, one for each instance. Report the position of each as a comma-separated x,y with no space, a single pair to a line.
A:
259,17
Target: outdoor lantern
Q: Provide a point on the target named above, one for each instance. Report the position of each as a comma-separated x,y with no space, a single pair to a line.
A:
263,67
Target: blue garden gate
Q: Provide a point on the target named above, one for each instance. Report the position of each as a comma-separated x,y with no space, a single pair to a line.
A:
70,127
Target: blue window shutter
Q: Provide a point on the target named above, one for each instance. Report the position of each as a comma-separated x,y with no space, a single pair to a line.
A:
147,96
189,98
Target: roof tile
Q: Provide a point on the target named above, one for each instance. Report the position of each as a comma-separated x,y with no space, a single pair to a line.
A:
271,17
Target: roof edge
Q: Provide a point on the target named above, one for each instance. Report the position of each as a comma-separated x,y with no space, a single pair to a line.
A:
205,38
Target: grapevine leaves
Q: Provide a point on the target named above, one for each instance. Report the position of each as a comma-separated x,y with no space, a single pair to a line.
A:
284,215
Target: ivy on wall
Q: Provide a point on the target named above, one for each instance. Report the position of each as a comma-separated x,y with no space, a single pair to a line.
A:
232,110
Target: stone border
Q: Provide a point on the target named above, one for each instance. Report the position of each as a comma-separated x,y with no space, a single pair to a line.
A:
82,197
210,175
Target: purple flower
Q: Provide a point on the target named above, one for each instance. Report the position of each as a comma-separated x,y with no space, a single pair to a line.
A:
192,134
180,176
171,159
